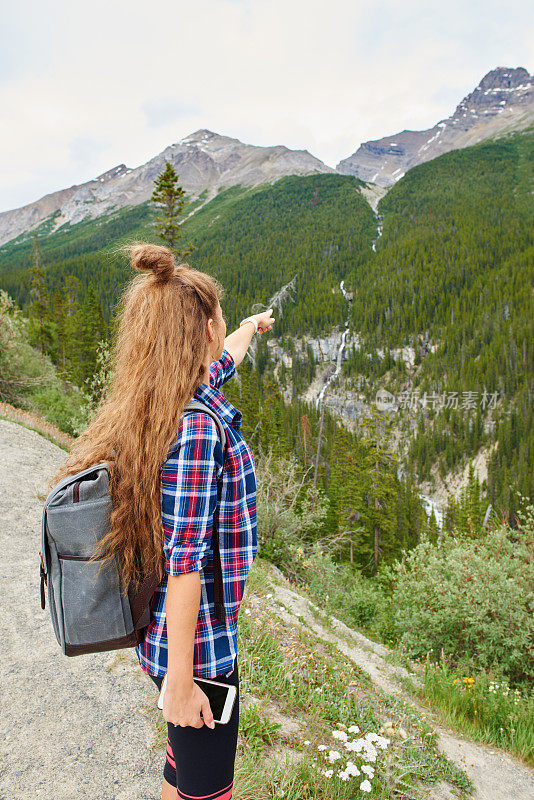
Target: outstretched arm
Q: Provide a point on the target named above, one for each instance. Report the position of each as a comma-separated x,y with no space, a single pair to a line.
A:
238,342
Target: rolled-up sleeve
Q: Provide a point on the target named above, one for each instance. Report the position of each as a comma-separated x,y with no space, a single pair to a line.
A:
189,494
222,370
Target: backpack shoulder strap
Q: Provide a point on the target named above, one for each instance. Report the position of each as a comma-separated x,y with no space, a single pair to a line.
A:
196,405
220,611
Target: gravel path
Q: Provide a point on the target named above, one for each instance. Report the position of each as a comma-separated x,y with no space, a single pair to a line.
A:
70,727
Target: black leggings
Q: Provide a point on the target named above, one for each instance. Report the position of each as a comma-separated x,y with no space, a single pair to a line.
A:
200,761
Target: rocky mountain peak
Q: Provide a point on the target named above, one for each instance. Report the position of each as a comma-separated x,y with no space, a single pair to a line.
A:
204,161
201,136
504,78
499,87
503,101
112,173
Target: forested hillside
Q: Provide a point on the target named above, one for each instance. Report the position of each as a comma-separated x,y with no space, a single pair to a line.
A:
451,277
455,267
254,240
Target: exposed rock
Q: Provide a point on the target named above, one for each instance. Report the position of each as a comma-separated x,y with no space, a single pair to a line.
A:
204,161
503,101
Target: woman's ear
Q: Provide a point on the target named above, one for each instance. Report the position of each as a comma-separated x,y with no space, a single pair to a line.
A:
211,330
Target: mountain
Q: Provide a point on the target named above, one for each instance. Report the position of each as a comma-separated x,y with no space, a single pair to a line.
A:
503,101
442,305
205,162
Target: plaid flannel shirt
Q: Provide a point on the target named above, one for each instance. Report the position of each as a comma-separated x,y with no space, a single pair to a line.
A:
188,500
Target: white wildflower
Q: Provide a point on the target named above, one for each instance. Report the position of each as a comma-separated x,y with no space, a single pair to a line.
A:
333,755
354,729
381,741
340,735
356,745
371,737
328,772
369,755
321,747
307,741
368,770
352,769
365,786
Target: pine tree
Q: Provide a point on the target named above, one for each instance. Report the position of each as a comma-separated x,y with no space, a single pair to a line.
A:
73,290
272,435
39,305
58,309
249,403
380,466
306,437
169,198
90,331
346,489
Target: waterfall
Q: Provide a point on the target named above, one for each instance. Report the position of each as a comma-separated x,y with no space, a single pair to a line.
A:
339,355
429,505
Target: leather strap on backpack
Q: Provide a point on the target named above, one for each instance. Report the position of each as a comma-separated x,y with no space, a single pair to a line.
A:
141,599
220,611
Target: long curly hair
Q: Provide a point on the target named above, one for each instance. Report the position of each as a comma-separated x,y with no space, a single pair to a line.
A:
159,348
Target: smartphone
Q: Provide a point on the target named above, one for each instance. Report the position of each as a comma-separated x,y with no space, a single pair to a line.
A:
221,696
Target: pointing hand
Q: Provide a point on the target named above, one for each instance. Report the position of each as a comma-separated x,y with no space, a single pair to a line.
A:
264,320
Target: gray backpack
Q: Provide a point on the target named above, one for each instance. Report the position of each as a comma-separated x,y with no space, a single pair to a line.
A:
89,613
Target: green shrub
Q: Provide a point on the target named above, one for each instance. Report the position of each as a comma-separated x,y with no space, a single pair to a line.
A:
473,598
21,367
63,409
283,525
344,592
257,730
28,380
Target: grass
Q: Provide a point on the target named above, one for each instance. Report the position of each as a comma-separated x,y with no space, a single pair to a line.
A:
38,423
487,710
499,718
299,693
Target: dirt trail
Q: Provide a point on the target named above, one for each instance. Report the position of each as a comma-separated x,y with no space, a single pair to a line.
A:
70,727
495,774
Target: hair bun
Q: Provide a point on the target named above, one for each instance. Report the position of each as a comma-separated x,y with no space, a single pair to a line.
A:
156,258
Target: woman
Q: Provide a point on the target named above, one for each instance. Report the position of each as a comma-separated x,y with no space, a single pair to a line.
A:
170,346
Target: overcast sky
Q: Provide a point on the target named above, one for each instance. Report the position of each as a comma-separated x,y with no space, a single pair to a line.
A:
87,86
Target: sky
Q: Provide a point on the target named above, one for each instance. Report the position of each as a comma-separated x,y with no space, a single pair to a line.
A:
87,86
